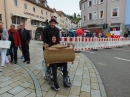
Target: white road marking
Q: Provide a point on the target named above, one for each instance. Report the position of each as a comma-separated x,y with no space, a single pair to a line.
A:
122,59
122,50
89,52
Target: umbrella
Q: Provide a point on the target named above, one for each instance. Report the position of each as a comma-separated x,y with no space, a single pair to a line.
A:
79,32
86,31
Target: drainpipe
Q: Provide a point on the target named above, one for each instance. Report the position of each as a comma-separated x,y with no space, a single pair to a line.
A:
5,12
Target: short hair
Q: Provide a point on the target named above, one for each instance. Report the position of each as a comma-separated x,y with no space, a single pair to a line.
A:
12,25
22,23
1,22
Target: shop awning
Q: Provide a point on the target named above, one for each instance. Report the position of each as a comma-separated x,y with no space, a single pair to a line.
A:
37,19
13,14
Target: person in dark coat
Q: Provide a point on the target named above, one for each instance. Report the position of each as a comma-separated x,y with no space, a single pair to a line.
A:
50,31
48,38
15,43
25,40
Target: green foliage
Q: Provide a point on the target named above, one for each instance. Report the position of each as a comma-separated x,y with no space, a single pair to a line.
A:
73,18
74,15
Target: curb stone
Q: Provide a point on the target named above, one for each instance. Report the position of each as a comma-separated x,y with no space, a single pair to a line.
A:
102,89
35,80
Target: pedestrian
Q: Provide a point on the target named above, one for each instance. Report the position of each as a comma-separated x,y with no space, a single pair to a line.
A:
18,28
25,40
3,36
50,31
71,33
94,34
100,34
48,34
15,43
125,34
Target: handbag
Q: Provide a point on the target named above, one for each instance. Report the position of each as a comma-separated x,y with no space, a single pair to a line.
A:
5,44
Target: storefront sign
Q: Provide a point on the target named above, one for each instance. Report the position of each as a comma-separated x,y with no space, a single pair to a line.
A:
27,13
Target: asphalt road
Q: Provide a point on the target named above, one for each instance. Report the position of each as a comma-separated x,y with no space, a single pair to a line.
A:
113,66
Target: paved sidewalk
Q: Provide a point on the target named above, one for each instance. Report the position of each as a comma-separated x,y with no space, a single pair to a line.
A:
24,80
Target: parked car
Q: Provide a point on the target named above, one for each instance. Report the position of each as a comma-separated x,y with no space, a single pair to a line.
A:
39,33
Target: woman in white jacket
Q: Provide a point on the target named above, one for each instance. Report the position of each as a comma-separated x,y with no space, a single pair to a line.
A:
3,36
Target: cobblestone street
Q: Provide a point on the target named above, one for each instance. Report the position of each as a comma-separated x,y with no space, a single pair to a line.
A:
24,80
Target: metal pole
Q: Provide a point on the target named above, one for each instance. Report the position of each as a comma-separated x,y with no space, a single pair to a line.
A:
5,13
106,15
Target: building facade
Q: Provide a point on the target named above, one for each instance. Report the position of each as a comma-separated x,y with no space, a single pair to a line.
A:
79,24
127,16
95,13
31,12
60,19
73,25
67,23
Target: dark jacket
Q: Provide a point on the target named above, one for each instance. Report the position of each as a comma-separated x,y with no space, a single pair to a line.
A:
49,33
25,35
16,38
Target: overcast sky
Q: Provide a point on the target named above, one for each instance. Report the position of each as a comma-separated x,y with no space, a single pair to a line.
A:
67,6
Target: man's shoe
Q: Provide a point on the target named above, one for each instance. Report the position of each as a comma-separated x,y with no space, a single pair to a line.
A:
56,87
28,62
24,61
11,61
15,62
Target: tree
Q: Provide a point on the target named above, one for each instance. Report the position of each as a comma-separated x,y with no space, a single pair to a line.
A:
74,15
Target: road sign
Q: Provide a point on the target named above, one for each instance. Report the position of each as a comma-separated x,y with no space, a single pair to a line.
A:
108,34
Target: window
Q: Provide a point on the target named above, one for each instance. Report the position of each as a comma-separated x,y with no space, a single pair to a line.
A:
115,12
101,1
17,20
43,24
41,11
46,14
90,16
89,3
34,9
25,6
37,1
35,22
84,18
94,2
83,5
16,2
45,3
50,15
94,15
101,14
0,17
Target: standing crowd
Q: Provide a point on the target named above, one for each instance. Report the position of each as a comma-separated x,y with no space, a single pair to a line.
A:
19,38
87,33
